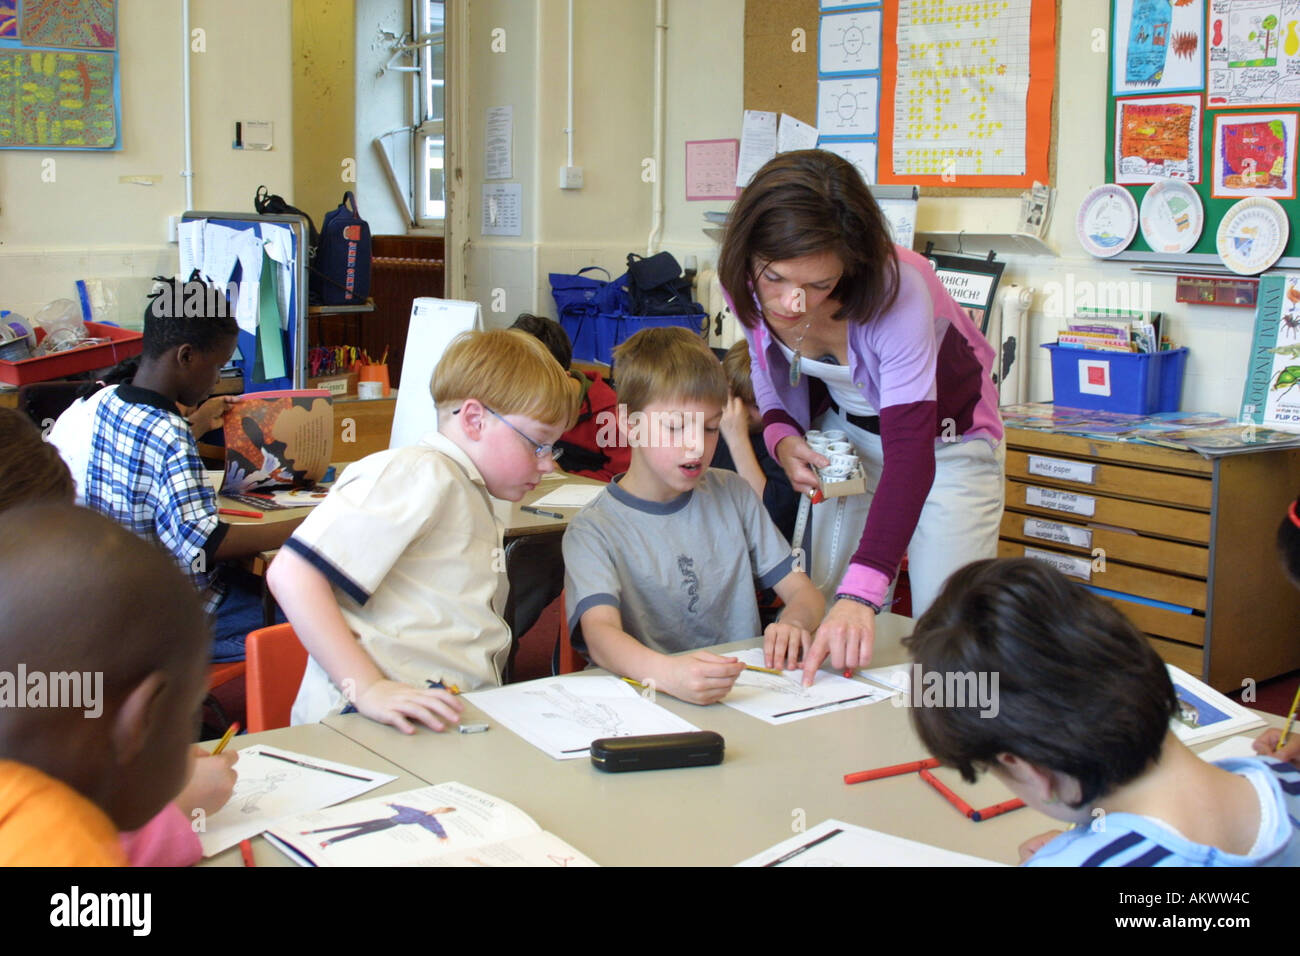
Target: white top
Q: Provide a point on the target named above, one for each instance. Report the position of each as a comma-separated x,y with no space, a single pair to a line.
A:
71,435
838,379
408,540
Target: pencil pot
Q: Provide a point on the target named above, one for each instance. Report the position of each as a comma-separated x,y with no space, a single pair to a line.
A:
375,373
1133,383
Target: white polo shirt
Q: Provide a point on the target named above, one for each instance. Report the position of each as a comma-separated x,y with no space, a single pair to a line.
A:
409,542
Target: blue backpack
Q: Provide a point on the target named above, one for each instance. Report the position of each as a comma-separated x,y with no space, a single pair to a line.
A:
340,274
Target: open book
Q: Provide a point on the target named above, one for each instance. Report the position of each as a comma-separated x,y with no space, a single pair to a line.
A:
278,439
445,825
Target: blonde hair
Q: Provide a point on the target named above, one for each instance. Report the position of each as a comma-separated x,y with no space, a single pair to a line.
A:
510,372
667,364
735,365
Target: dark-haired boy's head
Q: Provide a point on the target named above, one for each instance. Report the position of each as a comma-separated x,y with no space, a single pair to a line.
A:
189,334
1288,542
30,467
551,333
1081,692
133,643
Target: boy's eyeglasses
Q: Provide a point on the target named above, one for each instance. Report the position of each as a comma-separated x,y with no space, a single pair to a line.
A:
540,450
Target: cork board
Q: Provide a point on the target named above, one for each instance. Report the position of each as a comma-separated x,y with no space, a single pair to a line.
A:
781,79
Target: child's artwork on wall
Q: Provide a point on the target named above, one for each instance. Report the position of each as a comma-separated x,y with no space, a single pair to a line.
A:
8,19
57,98
1158,46
1158,138
85,24
1254,53
1254,155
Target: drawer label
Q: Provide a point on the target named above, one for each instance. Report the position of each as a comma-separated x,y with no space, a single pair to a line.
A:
1067,564
1065,501
1080,471
1058,532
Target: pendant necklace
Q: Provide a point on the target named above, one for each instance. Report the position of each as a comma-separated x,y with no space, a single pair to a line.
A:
796,359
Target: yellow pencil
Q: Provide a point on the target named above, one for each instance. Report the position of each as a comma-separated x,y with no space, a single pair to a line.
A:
230,732
634,683
764,670
1289,721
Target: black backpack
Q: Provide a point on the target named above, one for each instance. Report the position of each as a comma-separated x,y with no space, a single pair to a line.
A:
341,272
657,287
268,204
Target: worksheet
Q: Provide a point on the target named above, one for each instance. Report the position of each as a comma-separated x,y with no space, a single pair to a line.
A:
563,715
782,698
275,783
570,496
835,843
1239,746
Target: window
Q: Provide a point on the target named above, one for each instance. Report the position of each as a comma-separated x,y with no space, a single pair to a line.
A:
430,139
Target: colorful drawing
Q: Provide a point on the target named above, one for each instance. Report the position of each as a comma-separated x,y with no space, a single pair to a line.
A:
8,19
402,816
1255,155
1158,46
1148,42
1253,53
1158,138
87,24
57,98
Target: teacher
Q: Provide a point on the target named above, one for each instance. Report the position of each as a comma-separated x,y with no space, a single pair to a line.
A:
848,331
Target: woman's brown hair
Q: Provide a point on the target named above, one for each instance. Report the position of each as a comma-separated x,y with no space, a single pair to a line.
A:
802,203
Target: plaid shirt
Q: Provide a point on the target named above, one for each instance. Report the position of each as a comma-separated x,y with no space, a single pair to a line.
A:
145,473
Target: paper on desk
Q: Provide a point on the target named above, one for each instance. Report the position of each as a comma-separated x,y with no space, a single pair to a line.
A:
783,699
835,843
1204,713
570,496
563,715
269,789
1239,746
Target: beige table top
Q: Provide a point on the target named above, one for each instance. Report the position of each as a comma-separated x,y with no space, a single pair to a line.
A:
316,740
521,523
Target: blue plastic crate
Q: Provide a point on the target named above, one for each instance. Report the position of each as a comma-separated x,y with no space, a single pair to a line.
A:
1134,383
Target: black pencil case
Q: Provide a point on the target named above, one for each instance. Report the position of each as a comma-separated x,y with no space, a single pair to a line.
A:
701,748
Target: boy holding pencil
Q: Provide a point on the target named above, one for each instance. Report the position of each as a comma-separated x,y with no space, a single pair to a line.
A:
1082,725
665,559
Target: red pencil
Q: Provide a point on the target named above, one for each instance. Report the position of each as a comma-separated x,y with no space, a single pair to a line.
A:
236,513
948,795
997,809
246,850
899,768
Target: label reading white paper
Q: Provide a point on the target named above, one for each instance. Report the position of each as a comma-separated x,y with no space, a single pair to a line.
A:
1060,501
1058,532
1074,567
1063,468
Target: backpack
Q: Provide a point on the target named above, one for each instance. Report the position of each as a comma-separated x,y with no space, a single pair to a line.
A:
341,273
657,287
267,203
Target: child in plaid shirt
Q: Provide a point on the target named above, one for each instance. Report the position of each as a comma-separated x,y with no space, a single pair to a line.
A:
145,471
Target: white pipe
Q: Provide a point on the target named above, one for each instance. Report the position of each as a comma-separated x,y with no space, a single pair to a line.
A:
568,126
187,173
1008,333
657,221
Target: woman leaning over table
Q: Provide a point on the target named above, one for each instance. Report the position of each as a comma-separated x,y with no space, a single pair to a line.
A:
848,331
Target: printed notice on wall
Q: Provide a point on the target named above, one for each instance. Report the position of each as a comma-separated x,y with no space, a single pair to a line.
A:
498,139
501,209
1060,501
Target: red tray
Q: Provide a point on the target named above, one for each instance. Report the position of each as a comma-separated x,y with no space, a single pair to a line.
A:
125,344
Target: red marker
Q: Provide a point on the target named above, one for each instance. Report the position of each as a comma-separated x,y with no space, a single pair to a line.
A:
900,768
235,513
246,850
848,672
948,795
997,809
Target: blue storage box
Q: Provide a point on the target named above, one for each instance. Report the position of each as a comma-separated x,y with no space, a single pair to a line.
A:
1134,383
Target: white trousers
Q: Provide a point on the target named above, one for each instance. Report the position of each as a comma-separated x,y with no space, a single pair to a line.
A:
959,522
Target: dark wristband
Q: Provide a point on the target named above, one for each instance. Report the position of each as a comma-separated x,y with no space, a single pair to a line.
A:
860,600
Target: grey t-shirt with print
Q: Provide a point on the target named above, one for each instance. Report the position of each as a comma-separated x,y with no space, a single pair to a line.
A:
682,572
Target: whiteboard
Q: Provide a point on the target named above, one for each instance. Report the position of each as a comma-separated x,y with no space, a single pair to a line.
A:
434,323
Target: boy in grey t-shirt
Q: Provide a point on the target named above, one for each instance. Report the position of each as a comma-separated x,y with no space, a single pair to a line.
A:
665,559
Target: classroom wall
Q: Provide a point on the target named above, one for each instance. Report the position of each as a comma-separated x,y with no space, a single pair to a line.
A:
564,230
87,223
324,96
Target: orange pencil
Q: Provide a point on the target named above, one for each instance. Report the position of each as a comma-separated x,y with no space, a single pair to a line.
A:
948,795
997,809
237,513
899,768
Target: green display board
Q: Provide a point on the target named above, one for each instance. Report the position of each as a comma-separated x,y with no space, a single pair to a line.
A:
1205,251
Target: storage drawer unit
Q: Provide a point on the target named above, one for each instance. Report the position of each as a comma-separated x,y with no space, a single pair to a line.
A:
1171,527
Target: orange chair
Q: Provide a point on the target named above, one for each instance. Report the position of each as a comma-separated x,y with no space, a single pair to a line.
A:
219,674
276,662
565,660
